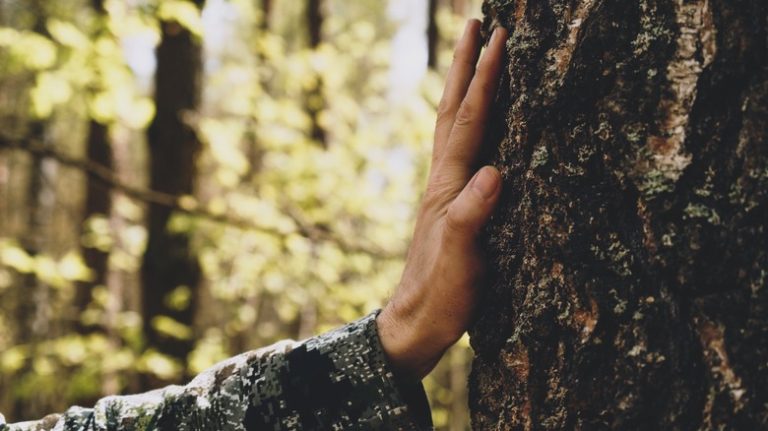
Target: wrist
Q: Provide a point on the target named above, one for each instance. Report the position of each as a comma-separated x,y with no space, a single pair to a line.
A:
411,352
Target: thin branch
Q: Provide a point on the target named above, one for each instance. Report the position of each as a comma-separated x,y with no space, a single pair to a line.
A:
106,176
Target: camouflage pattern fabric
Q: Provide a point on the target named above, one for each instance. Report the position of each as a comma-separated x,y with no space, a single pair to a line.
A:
336,381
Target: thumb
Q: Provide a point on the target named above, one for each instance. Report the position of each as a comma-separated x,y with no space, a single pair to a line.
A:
474,205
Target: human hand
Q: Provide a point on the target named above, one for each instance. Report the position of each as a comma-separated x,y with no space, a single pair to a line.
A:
434,302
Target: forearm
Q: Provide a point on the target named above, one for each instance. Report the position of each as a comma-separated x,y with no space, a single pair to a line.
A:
338,380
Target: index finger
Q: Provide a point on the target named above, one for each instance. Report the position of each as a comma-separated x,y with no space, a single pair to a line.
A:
456,85
469,127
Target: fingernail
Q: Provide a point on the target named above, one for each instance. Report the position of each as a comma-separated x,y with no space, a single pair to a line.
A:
486,182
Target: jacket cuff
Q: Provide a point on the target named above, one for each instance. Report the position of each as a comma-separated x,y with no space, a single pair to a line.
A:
411,392
341,380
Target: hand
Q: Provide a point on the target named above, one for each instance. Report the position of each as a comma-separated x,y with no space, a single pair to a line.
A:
434,302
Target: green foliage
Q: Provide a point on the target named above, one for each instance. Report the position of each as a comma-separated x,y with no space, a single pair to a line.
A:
329,227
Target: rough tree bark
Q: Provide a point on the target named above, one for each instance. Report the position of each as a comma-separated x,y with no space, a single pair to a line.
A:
169,263
629,255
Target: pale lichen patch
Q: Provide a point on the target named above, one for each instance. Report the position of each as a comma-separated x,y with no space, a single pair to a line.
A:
563,55
636,350
539,157
712,337
560,57
697,210
665,157
516,360
585,320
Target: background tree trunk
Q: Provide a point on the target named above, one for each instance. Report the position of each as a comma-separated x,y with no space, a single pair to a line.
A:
169,263
33,309
629,254
315,97
98,196
266,9
433,35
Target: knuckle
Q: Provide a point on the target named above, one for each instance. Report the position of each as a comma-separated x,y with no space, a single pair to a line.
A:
455,221
484,65
487,87
464,61
430,199
444,110
465,115
440,189
434,195
462,52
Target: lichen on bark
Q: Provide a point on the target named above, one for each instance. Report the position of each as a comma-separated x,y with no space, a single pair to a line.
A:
629,253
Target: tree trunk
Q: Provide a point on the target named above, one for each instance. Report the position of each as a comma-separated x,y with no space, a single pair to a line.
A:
629,254
315,97
433,35
266,17
169,263
98,196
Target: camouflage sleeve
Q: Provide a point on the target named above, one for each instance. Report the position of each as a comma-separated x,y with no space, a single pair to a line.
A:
336,381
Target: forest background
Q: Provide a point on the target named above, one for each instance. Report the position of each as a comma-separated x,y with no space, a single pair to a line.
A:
181,181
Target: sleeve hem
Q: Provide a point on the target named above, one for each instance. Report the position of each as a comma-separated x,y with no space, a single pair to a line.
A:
410,391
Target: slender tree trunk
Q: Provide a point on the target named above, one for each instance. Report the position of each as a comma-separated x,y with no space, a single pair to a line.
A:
98,197
169,262
433,35
266,17
98,201
629,255
315,97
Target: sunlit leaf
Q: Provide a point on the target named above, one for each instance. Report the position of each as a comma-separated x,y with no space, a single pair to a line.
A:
171,328
208,351
137,112
158,364
179,298
47,270
16,258
43,366
72,350
50,90
188,202
32,50
183,12
12,359
118,361
72,268
67,34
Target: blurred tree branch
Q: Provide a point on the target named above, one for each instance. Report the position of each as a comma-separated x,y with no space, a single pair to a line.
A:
107,176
